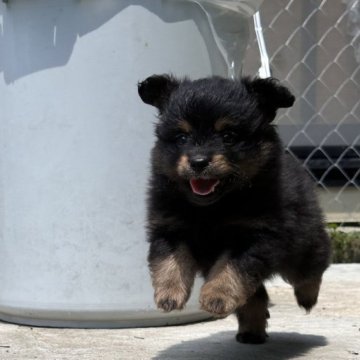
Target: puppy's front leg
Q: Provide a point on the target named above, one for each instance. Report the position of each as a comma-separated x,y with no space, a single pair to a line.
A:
173,272
225,288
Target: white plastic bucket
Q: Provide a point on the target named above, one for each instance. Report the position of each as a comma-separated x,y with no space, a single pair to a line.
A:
74,159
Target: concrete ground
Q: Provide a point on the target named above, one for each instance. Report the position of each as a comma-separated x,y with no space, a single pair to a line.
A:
331,331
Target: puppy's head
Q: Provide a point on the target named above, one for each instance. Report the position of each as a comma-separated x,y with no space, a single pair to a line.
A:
214,135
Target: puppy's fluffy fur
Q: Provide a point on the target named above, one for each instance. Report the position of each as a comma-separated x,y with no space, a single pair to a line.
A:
225,200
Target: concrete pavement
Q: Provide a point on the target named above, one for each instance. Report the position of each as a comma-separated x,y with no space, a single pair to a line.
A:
330,331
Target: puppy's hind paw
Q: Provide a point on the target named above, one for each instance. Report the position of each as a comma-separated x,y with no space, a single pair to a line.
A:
306,293
251,338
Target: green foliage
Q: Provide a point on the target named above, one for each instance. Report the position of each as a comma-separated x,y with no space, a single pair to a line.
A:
333,226
345,246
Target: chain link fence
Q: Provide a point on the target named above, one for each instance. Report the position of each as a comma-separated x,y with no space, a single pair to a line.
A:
314,48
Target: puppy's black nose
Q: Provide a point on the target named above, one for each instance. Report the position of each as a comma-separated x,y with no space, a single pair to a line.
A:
199,162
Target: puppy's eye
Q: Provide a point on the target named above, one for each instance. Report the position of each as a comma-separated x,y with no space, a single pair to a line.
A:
181,139
229,137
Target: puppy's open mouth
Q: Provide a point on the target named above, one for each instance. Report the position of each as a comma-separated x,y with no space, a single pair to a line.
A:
203,186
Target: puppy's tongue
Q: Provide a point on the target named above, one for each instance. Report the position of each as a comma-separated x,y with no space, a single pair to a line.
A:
203,186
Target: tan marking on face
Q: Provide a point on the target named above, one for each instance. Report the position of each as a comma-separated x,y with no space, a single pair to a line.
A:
185,126
220,163
222,123
251,165
225,289
173,277
183,164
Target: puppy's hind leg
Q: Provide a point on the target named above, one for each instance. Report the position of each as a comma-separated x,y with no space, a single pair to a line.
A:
253,317
307,291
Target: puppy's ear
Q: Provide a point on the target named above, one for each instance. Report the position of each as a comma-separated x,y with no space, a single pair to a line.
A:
271,95
156,90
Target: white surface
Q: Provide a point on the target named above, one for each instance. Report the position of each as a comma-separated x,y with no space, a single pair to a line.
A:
74,158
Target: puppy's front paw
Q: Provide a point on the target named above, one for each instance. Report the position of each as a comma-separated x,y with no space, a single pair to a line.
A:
169,299
219,301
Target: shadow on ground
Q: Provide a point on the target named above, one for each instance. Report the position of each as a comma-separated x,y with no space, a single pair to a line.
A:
280,346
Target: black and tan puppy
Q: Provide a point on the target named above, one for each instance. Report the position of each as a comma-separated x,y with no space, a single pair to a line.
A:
227,202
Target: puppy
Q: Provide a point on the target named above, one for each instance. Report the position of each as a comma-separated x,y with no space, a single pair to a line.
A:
225,201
